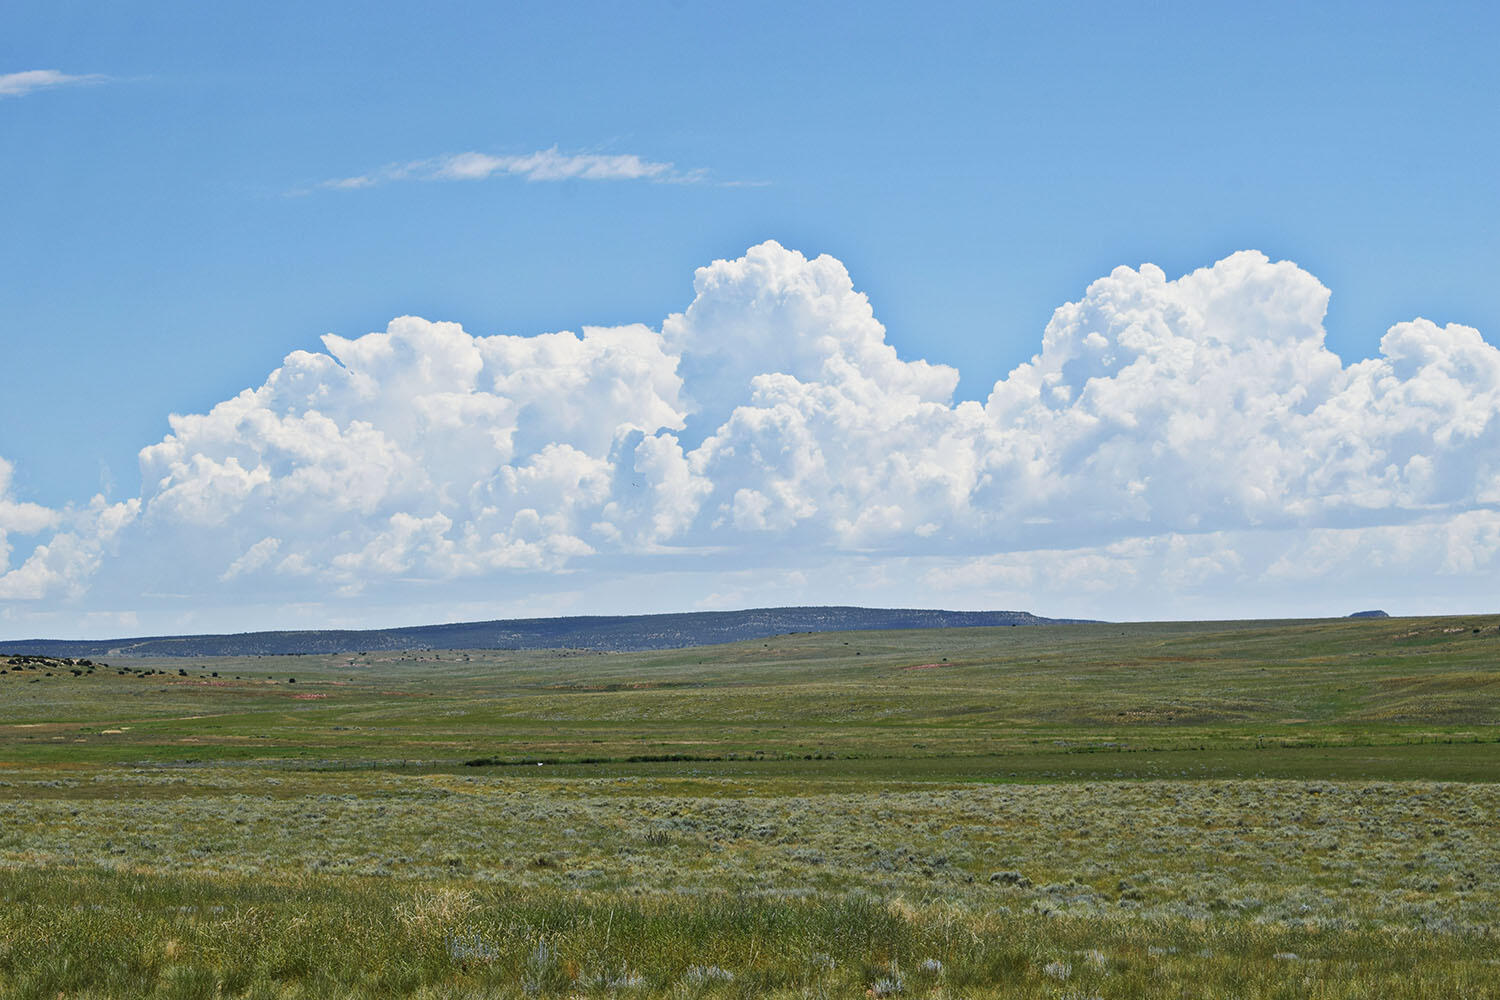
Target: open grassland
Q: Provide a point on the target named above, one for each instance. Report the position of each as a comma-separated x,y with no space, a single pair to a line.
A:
912,697
1212,810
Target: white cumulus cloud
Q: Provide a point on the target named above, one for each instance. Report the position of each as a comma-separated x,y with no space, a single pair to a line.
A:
421,451
76,542
1172,441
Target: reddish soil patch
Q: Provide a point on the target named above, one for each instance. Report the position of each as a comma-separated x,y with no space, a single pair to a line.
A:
925,666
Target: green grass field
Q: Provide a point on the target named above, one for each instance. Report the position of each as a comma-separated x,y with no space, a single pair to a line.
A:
1253,809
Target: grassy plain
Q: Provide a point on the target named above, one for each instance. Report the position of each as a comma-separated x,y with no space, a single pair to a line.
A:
1292,809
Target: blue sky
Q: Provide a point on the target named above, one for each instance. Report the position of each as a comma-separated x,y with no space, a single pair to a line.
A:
171,233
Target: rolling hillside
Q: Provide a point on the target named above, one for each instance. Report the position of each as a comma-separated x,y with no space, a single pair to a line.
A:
618,633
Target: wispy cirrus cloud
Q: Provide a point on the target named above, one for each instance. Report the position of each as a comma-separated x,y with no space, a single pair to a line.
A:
542,165
23,83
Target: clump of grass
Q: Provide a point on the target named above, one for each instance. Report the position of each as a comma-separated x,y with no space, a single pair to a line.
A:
471,949
892,983
705,975
436,909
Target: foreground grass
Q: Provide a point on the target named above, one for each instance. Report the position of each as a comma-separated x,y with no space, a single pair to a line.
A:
1408,855
250,882
88,933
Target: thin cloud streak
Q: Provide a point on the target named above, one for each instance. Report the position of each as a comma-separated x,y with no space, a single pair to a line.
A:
541,166
23,83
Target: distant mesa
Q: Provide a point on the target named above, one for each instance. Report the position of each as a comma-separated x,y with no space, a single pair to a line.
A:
619,633
1369,614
